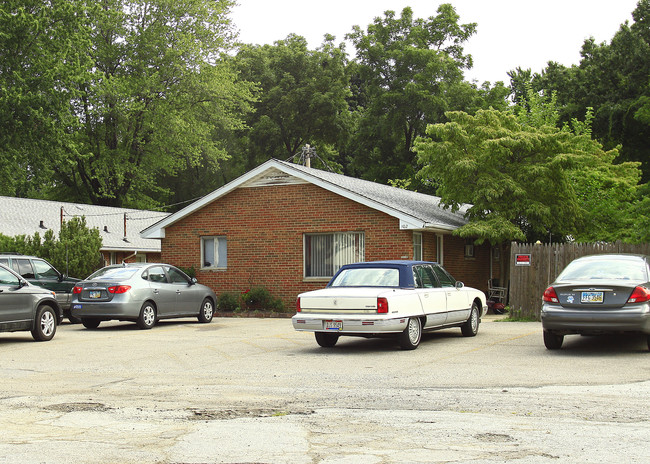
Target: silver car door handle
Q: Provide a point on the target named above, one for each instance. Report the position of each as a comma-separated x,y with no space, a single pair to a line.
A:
155,290
178,292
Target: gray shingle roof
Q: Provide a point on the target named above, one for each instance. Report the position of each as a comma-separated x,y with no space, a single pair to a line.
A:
414,210
421,206
23,216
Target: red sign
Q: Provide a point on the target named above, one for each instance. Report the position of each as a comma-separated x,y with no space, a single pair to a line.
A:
522,260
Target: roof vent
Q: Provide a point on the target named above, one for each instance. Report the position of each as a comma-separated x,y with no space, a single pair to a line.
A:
42,225
106,229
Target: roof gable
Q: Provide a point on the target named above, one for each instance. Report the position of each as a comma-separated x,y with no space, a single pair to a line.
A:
414,210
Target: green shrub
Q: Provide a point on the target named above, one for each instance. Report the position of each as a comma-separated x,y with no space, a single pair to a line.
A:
259,298
228,302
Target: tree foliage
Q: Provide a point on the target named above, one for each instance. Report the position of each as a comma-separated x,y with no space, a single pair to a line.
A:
302,98
42,59
144,100
612,78
76,252
524,178
405,73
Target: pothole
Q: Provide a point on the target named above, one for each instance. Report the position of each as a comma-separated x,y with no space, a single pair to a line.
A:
227,414
77,407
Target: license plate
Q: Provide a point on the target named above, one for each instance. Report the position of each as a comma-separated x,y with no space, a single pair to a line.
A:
591,297
95,294
333,325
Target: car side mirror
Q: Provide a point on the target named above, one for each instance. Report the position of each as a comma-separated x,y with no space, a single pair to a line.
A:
21,283
459,285
193,281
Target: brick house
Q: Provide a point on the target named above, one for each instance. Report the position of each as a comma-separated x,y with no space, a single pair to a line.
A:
287,228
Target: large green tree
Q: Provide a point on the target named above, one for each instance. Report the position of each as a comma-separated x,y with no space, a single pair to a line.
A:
614,79
525,178
147,98
43,57
302,98
404,77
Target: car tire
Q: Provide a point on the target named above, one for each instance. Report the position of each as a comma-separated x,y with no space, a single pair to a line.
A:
412,335
552,341
206,312
147,317
325,339
470,327
90,323
45,324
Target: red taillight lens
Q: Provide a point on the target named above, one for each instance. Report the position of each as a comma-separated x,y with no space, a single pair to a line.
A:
298,308
550,295
119,289
76,290
382,305
639,295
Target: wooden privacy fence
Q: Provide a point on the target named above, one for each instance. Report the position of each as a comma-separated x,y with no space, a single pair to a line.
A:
534,266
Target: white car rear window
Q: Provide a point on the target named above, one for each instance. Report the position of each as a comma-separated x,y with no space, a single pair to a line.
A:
367,277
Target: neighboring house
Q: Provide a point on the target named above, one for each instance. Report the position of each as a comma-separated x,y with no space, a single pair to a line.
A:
288,228
119,228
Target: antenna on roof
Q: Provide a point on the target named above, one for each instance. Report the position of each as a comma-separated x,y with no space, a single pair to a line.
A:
308,152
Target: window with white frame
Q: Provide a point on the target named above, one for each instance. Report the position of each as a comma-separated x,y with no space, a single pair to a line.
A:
417,246
440,256
326,253
214,252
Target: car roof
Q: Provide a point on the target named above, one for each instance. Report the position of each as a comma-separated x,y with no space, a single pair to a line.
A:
394,262
613,256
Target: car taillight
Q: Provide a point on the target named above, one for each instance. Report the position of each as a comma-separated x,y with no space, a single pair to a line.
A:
382,305
119,289
550,295
76,290
639,295
298,309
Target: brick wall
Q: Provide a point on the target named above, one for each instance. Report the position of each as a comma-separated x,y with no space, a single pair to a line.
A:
264,227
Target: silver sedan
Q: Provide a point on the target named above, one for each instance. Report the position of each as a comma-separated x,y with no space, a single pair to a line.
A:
143,293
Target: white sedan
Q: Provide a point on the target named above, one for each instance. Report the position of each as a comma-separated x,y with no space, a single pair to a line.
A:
389,298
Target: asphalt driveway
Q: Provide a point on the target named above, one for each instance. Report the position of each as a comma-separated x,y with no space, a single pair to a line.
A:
256,391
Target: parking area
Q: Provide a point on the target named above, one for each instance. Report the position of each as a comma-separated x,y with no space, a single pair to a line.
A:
256,391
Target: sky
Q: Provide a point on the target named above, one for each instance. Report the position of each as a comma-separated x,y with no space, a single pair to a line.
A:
510,33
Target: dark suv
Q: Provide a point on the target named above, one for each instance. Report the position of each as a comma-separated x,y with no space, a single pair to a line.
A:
24,306
39,272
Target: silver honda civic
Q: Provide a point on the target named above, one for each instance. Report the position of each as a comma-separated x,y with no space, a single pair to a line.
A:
143,293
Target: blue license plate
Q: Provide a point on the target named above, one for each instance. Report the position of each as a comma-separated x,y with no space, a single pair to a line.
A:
591,297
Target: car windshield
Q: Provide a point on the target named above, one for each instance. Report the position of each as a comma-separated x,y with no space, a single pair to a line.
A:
367,277
605,269
114,273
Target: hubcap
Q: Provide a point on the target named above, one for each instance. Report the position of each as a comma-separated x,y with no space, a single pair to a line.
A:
47,324
414,331
149,315
474,319
207,310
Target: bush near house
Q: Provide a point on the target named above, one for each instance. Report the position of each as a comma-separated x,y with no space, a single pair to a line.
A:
255,299
75,253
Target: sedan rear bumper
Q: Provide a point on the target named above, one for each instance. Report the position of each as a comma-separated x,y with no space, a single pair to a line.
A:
106,310
567,320
351,325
